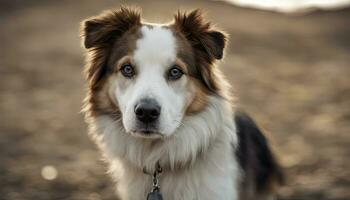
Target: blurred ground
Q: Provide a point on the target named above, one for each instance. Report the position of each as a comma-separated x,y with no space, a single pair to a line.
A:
290,72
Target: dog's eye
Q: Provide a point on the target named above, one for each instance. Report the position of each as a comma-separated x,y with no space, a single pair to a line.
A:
175,73
128,70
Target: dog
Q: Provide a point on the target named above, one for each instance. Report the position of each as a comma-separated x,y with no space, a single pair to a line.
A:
161,112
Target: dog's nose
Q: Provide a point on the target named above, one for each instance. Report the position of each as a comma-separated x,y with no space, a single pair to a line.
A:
147,110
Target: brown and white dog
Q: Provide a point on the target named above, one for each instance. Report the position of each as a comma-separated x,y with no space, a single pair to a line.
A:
156,98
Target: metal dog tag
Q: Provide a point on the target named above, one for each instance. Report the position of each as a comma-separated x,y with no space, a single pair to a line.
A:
154,195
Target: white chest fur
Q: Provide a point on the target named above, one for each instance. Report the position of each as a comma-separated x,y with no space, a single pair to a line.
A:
213,176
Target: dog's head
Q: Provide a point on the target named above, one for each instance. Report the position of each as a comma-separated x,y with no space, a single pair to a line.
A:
149,76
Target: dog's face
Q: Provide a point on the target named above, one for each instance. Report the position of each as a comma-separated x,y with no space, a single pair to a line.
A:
151,87
150,76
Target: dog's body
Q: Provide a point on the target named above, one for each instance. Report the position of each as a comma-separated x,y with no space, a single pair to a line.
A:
156,99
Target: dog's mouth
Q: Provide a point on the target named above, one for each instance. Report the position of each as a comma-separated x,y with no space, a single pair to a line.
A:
149,133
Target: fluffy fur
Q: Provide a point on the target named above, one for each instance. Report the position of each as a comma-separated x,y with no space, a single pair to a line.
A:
196,142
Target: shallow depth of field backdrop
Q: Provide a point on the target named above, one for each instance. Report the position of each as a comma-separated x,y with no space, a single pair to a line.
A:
291,72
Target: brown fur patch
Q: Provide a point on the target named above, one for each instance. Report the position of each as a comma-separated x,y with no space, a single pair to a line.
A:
100,34
100,102
186,61
199,46
200,99
202,45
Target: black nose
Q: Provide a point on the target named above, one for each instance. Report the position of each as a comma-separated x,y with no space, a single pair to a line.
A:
147,110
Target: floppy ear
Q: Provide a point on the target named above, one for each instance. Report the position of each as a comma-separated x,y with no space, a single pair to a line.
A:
200,34
101,30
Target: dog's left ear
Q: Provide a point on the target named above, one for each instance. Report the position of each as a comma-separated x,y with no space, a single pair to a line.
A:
200,35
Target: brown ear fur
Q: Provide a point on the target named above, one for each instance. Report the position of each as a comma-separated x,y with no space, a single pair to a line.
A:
100,30
99,34
200,34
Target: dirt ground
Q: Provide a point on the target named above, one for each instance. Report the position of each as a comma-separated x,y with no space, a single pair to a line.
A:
290,72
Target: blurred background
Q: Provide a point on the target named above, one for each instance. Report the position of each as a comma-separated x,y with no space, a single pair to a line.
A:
289,64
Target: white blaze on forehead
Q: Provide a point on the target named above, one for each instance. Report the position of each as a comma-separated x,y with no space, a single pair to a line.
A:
156,46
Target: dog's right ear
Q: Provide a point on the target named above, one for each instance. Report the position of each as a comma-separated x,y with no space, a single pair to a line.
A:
101,30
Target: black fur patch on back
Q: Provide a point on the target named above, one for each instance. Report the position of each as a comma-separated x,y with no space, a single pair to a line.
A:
255,156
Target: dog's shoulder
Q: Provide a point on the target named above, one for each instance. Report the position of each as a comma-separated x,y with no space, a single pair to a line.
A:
261,170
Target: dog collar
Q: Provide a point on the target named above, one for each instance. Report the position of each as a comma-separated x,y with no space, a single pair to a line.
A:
155,192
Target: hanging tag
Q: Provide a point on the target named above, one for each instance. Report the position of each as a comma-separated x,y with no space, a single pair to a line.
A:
154,195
